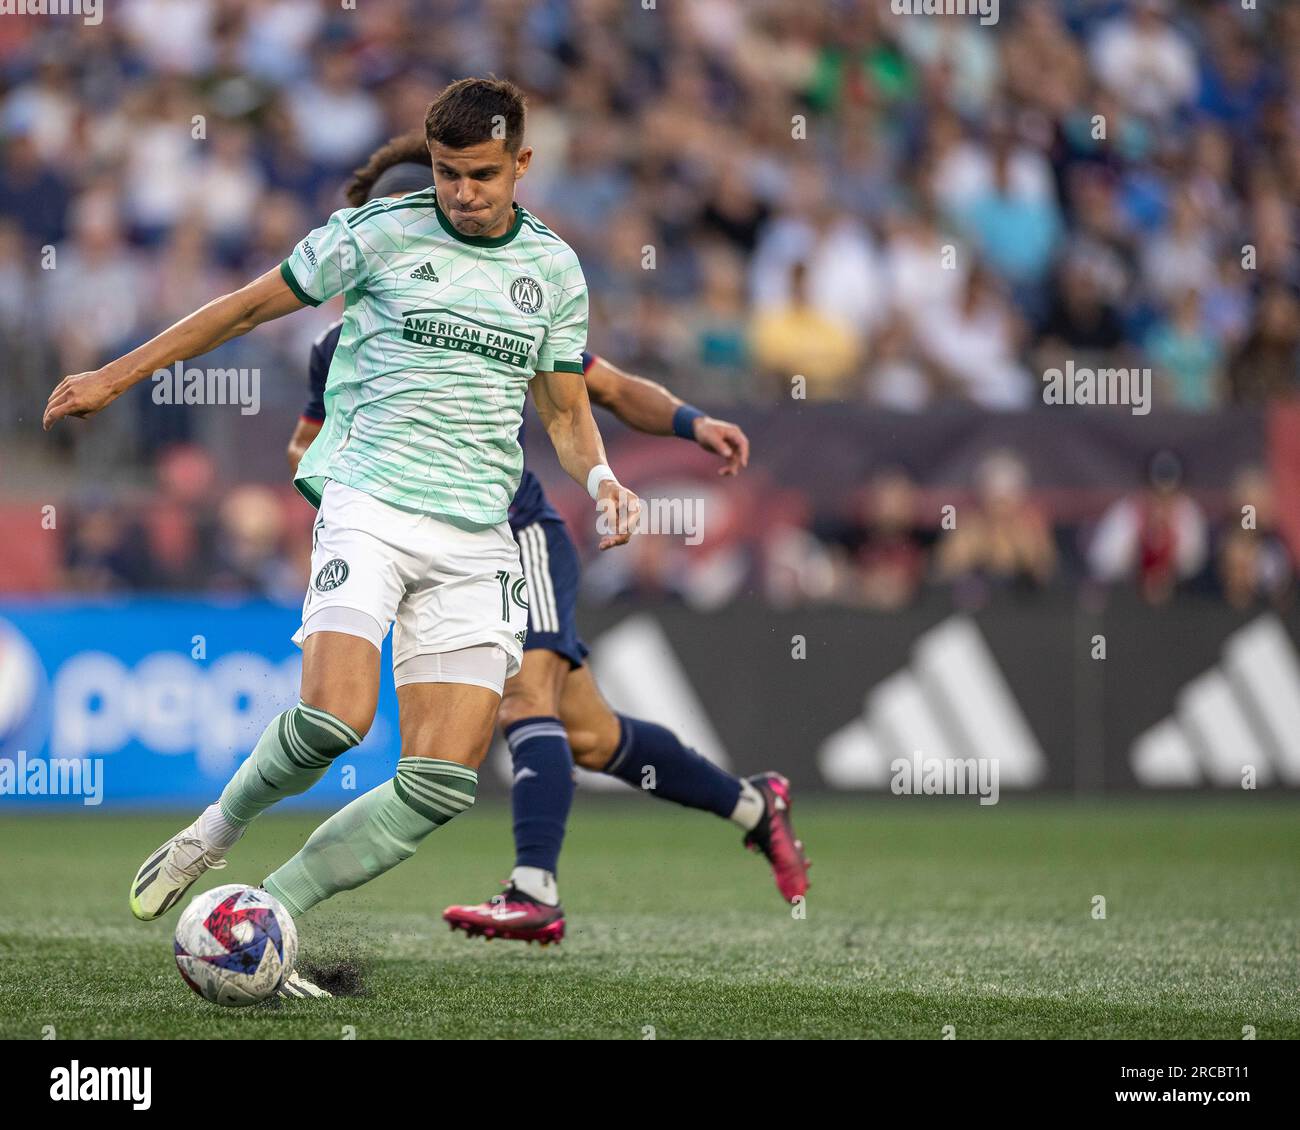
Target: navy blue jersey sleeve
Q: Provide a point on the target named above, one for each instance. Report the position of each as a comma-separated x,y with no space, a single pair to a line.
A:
318,370
588,359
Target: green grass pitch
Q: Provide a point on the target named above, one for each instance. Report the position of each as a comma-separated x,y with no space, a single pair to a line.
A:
923,913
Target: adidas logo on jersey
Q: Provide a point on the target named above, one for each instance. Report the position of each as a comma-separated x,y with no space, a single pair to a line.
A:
425,273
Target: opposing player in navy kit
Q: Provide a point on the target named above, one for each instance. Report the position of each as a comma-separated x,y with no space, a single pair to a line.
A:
552,713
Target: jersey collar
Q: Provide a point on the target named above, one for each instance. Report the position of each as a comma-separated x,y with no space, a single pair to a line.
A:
479,240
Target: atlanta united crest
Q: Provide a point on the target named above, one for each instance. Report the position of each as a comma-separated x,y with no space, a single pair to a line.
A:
526,294
331,575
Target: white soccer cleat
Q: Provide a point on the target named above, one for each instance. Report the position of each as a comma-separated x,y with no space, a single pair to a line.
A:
169,872
296,988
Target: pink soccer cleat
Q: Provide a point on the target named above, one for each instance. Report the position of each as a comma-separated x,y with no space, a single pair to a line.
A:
774,837
511,914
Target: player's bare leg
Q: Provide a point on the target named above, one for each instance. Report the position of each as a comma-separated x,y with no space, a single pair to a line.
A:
340,675
447,721
340,690
529,908
654,760
589,720
446,728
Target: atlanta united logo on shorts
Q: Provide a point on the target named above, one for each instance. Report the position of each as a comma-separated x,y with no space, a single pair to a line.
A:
526,294
331,575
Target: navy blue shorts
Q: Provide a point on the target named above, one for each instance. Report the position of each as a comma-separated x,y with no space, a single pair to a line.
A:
553,571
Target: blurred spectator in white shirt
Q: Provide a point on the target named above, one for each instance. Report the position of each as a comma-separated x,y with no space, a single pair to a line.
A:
843,274
1145,60
162,158
1156,538
233,185
1181,254
93,295
174,35
277,37
337,119
974,343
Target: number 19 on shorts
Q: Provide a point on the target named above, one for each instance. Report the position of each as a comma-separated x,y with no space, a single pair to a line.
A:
514,590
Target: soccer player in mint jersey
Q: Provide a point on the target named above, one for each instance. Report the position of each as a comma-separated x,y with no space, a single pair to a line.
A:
552,712
413,475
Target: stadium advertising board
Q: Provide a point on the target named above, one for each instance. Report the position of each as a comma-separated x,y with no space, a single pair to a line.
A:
153,703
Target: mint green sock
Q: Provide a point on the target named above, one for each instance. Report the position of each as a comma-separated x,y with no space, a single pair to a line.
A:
375,832
293,753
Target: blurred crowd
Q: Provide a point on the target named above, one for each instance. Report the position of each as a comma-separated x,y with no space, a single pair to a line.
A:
900,208
904,210
889,549
991,540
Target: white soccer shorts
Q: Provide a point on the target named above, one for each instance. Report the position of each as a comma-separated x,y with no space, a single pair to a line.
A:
447,588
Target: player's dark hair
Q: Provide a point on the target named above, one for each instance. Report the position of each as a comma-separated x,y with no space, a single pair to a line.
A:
396,151
474,110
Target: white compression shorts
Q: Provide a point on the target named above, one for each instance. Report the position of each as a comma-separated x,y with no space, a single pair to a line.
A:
455,598
482,665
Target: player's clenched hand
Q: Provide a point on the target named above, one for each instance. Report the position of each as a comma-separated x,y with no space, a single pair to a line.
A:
618,510
723,439
81,394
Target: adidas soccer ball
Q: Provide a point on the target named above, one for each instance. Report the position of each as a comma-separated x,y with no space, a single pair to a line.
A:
235,945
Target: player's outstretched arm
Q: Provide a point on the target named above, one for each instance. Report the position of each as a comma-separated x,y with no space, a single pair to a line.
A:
649,407
229,316
562,404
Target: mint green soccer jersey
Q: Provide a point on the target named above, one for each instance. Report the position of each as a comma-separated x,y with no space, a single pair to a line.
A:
441,335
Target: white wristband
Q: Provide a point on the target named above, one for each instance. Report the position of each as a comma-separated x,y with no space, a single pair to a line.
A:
599,473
